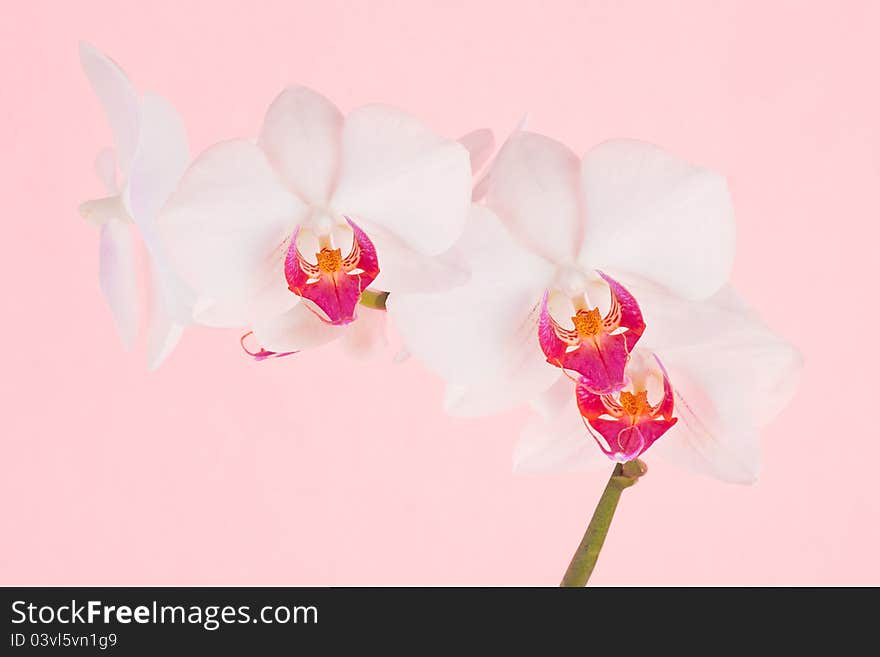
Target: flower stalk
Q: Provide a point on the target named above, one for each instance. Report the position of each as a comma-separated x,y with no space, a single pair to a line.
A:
584,560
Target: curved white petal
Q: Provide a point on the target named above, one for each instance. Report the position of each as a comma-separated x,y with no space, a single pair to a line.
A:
726,388
757,367
523,379
533,187
119,99
163,335
230,313
159,162
295,330
171,296
714,434
172,310
105,169
555,439
399,174
226,229
674,321
479,145
403,270
366,337
776,375
118,277
487,326
655,215
243,309
727,334
481,186
302,136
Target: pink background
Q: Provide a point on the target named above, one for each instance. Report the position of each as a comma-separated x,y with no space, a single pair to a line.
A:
219,470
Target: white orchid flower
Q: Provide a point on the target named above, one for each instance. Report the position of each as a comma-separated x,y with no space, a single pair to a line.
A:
287,235
573,263
150,154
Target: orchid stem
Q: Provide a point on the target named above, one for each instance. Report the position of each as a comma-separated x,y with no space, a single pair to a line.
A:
584,560
374,299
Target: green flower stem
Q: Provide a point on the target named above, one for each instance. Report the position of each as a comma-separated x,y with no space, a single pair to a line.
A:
584,560
374,299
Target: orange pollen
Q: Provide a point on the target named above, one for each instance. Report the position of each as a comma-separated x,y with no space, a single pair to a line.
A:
634,404
329,260
588,322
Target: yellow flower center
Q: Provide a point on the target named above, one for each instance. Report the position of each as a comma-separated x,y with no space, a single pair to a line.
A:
588,322
329,260
634,404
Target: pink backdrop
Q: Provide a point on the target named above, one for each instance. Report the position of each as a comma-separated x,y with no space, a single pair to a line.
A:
219,470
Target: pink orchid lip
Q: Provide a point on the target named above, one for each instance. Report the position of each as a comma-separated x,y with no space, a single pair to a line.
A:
333,285
263,354
626,421
596,347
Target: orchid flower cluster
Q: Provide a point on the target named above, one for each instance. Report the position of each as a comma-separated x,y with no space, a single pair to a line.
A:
593,288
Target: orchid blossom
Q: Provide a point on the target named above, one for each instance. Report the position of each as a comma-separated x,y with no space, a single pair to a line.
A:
149,156
627,423
728,373
286,235
589,279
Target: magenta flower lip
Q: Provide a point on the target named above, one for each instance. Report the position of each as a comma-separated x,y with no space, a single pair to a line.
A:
627,422
597,347
333,284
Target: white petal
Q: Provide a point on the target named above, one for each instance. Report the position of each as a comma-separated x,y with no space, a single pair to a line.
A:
714,434
523,379
652,214
533,187
479,145
159,162
302,135
487,326
555,439
725,333
164,334
105,168
171,296
726,388
481,186
400,175
674,321
119,99
230,313
295,330
366,337
245,308
403,269
227,227
761,369
118,278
